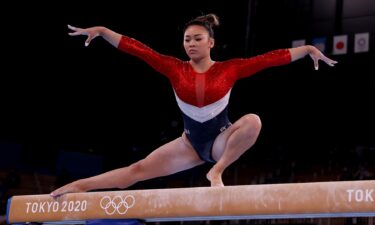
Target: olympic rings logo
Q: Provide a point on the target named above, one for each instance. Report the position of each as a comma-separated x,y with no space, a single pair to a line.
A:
118,204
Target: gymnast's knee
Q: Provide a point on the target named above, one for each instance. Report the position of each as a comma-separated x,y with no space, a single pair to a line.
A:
137,169
253,122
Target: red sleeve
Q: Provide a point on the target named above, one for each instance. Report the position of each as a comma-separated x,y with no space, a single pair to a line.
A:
162,63
249,66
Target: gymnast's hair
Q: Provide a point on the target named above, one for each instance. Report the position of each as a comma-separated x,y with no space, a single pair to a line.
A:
208,21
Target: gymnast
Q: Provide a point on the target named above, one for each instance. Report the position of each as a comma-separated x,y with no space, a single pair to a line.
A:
202,87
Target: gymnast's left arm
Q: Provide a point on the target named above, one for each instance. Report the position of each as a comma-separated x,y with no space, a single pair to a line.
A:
249,66
315,54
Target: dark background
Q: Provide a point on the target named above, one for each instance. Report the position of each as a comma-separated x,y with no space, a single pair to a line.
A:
57,95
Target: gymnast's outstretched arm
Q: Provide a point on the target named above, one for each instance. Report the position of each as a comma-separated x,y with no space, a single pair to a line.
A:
316,55
109,35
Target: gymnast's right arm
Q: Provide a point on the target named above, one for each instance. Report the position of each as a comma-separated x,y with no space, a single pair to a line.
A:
162,63
112,37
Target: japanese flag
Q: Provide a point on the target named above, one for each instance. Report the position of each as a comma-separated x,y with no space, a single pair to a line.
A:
340,44
361,42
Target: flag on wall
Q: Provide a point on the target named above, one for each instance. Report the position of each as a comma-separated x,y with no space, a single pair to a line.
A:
361,42
340,44
320,43
297,43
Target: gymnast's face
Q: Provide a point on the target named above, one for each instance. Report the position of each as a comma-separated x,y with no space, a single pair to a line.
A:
197,42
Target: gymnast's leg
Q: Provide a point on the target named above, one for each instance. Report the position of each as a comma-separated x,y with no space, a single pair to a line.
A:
173,157
231,144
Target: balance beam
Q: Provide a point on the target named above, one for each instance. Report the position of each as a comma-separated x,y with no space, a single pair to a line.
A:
293,200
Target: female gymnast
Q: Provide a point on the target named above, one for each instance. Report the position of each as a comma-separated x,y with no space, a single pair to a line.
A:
202,88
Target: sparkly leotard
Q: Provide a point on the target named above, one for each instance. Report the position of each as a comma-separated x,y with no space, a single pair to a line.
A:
203,97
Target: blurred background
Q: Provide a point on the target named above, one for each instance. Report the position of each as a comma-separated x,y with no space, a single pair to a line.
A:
70,111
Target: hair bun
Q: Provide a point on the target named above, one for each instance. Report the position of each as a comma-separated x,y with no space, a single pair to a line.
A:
212,19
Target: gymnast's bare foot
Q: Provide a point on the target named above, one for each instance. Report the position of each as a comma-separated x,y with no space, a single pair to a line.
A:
215,179
68,188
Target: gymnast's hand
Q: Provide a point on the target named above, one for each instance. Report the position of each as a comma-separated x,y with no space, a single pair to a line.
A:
72,187
91,32
317,55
